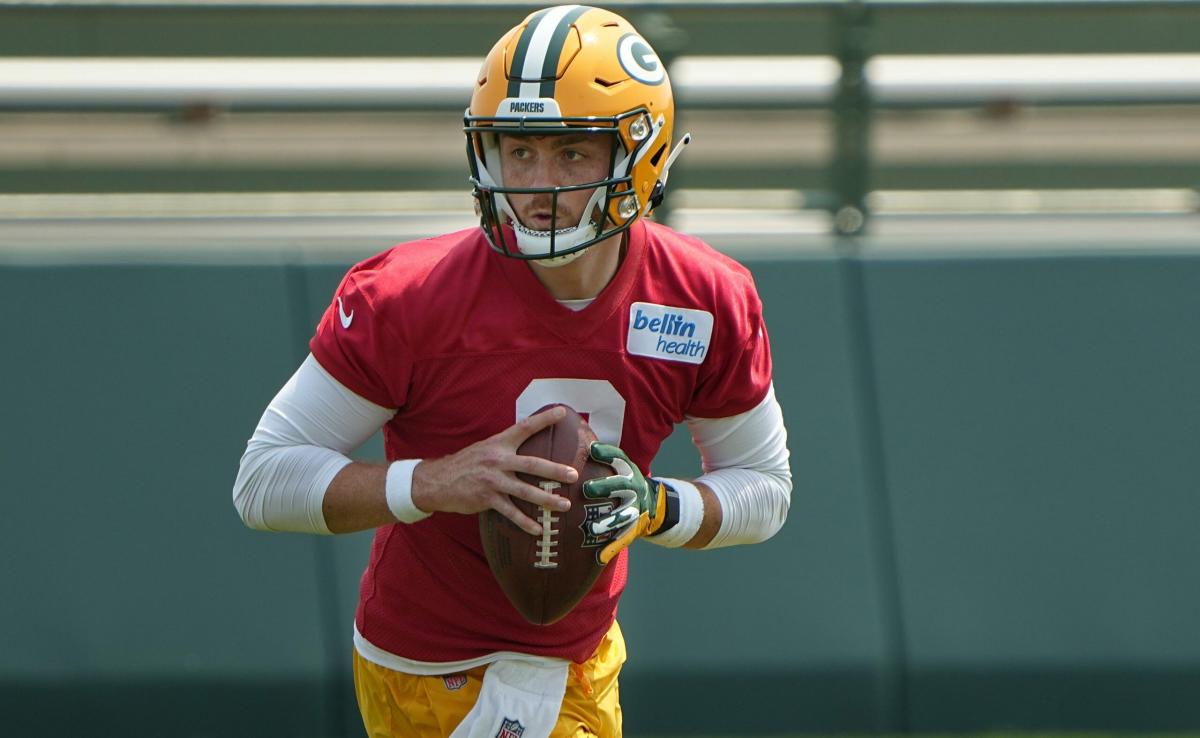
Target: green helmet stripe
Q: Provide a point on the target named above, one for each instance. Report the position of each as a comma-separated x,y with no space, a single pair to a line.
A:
518,60
554,50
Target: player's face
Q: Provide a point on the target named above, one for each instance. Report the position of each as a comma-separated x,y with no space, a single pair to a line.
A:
553,161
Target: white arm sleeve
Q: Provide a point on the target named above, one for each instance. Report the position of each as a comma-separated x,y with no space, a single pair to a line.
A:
299,446
745,460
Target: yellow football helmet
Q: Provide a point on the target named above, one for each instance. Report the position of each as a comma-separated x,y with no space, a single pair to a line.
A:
571,69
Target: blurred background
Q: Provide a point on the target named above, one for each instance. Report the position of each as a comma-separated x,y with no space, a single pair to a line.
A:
974,226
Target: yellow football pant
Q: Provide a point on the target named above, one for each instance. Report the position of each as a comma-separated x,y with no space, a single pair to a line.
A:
397,705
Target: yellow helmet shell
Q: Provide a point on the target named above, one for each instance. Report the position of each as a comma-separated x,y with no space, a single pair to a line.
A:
573,67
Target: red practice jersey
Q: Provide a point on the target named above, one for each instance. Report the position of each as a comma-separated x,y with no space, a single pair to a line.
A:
464,342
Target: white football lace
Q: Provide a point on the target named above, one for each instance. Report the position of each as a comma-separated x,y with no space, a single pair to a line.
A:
547,544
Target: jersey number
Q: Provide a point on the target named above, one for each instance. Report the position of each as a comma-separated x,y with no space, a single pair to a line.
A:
595,399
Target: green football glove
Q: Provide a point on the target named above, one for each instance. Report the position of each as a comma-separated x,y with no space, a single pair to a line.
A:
641,503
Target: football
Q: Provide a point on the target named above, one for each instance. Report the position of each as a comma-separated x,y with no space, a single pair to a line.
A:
545,576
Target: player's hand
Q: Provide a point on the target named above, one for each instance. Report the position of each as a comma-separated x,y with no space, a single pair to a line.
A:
484,475
640,502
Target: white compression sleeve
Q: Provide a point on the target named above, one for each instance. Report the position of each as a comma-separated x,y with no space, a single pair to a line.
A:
299,446
745,460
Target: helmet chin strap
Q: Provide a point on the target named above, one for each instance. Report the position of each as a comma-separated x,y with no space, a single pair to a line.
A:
530,241
534,242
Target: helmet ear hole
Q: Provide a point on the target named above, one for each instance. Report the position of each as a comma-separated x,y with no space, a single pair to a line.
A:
658,155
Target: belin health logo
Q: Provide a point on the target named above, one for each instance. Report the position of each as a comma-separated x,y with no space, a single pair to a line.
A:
671,333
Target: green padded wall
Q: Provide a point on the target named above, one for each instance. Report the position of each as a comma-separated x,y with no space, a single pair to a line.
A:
137,598
1041,420
995,461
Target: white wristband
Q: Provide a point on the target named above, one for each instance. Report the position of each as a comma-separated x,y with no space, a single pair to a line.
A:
399,491
691,514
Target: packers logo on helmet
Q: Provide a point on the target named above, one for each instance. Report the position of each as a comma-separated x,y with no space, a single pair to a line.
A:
571,69
639,60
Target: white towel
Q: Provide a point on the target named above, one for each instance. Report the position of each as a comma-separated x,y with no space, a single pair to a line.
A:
520,698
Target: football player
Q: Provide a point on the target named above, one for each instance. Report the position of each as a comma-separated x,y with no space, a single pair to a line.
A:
566,293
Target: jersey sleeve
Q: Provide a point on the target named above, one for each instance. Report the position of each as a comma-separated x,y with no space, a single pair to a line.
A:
358,346
737,374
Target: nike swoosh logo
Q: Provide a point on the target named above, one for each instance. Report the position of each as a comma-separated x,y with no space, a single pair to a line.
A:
346,319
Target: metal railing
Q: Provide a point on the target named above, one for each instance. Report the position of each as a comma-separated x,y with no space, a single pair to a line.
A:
850,58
